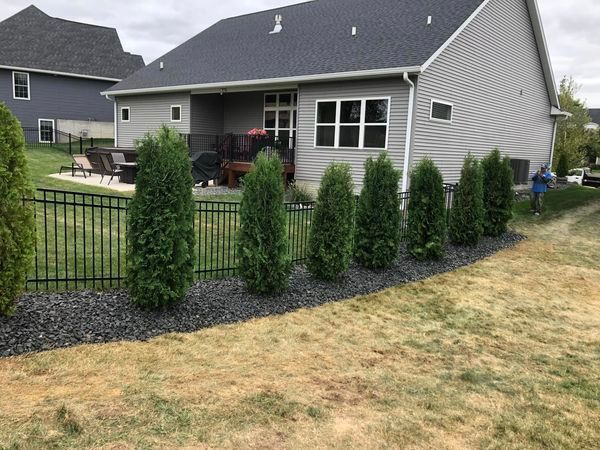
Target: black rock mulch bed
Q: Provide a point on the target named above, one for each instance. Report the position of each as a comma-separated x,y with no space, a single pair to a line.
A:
45,321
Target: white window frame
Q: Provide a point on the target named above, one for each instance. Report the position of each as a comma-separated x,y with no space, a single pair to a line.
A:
15,85
180,113
293,109
362,124
40,131
128,108
435,119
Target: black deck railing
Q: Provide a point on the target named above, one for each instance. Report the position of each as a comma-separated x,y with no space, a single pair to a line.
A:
67,142
241,147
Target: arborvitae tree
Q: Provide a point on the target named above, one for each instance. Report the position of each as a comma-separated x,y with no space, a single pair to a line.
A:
160,263
498,195
330,238
377,233
262,237
426,231
562,168
17,229
466,217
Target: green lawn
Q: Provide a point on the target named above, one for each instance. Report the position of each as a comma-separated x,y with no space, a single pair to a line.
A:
501,354
557,203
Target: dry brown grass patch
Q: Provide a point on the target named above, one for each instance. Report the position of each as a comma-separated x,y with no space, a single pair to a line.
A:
501,354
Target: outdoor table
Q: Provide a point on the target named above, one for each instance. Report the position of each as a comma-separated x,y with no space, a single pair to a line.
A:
129,171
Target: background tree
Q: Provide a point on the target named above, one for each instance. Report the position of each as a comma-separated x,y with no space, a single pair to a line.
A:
498,195
377,233
466,216
17,230
262,237
330,238
426,231
571,135
562,168
160,263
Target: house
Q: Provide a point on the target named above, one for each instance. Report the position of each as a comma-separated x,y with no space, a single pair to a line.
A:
53,70
595,122
342,80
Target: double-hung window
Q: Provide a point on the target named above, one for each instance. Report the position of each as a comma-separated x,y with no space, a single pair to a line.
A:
20,85
352,123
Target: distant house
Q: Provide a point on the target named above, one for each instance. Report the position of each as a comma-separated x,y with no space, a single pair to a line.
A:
342,80
53,70
595,122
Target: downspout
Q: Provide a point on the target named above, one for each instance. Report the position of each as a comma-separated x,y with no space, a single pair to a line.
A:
409,125
553,141
114,100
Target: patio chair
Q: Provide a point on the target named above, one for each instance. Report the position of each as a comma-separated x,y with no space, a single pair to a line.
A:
108,168
80,162
118,158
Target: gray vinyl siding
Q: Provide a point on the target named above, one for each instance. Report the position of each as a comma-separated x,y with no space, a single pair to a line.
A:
57,97
311,161
148,112
493,75
243,111
207,114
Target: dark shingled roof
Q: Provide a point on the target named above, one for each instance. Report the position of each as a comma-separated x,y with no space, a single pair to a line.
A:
316,39
32,39
595,115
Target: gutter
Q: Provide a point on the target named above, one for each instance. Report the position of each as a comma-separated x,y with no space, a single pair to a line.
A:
409,126
392,71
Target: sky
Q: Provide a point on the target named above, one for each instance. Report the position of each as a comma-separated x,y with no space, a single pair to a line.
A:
153,27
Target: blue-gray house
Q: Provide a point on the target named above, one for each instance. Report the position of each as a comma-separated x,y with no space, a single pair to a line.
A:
53,70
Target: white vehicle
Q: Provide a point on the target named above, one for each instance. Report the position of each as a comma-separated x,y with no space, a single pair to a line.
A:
576,175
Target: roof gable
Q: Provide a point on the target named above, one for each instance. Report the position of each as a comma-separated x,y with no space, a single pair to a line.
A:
32,39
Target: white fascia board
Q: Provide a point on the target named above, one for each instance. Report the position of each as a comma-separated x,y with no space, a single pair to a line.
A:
540,37
54,72
454,35
398,71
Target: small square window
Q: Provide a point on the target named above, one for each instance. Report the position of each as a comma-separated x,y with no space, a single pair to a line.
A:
125,114
441,111
176,113
270,100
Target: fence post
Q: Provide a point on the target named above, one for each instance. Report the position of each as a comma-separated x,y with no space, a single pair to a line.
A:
70,148
92,141
80,146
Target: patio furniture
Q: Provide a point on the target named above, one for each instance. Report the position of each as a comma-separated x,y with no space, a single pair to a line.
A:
108,168
80,162
118,158
129,171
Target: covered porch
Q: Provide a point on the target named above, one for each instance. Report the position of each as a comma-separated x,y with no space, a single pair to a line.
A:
221,122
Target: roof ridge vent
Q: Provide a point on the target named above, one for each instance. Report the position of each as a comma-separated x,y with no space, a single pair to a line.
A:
278,26
429,18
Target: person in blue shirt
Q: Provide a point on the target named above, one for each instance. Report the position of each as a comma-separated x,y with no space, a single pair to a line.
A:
540,185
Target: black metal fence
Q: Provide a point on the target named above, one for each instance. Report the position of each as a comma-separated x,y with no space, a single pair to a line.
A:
82,238
66,142
241,147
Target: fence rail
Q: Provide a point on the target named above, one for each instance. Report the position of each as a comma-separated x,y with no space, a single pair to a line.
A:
66,142
82,238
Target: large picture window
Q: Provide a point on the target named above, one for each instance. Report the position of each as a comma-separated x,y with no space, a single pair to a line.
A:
352,123
20,85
